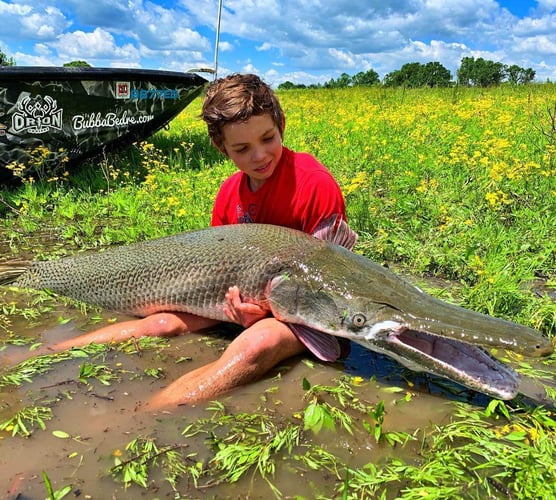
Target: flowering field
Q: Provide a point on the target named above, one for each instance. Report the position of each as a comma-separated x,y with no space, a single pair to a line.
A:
457,185
460,183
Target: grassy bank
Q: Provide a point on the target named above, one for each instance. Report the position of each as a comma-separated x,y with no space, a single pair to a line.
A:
455,184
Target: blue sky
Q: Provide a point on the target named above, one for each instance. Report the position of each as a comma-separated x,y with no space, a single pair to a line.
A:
303,41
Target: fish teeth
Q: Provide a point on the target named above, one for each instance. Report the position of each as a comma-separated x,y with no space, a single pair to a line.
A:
381,326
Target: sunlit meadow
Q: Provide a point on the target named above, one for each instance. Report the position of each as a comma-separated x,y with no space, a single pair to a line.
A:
457,185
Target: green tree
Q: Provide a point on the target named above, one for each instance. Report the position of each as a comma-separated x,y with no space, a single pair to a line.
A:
528,75
433,74
406,76
287,85
77,64
480,72
5,60
369,77
517,75
344,80
465,71
415,74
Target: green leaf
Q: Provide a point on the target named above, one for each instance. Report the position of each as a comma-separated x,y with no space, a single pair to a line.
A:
61,434
62,492
516,436
63,321
317,416
393,390
313,418
48,485
327,419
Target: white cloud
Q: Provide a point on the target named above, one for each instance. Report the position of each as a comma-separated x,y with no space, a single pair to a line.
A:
225,47
7,9
250,68
24,59
187,39
542,45
23,21
531,27
106,13
98,44
546,5
264,47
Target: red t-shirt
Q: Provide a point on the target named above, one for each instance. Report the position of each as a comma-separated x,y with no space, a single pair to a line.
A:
300,194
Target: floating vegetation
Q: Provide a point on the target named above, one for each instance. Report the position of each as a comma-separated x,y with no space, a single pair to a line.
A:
26,420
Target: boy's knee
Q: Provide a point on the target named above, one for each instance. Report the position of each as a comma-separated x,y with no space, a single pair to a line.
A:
164,324
270,339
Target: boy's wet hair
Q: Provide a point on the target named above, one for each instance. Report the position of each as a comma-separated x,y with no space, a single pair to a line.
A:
238,97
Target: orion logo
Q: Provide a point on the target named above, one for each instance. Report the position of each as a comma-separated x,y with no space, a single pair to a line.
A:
37,115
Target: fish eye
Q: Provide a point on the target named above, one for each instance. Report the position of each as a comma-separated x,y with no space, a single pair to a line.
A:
358,320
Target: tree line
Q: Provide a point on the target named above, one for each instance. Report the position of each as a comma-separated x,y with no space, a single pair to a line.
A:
472,72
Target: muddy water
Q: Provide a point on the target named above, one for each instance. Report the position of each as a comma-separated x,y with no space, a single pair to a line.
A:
101,419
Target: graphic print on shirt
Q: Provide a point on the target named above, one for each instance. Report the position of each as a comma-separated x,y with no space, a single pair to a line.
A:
246,216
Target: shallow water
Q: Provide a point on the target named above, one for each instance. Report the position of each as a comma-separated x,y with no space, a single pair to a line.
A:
100,420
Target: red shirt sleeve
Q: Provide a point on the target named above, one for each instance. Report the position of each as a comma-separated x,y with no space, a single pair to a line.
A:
320,198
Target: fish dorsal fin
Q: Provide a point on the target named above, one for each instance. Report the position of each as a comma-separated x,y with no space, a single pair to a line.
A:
336,230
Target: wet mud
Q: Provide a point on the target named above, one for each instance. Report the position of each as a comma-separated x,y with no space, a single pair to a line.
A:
92,423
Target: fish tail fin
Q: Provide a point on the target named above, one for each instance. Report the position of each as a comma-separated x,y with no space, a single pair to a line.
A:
10,271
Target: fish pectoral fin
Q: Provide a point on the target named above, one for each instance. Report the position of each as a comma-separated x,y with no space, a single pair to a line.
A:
324,346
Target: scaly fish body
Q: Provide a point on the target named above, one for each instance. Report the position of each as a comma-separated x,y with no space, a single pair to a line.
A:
189,272
315,286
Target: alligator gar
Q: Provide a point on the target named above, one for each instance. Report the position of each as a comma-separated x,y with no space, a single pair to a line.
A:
317,287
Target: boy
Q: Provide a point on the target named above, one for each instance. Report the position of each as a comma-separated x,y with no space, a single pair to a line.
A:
275,186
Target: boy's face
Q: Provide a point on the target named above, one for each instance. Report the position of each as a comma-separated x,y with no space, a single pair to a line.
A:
255,146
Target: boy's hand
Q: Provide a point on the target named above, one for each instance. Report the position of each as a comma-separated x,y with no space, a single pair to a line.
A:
242,313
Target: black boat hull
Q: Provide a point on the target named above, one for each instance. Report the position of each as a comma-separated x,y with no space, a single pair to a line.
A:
60,116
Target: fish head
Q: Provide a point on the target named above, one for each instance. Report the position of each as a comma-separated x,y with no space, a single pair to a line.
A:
346,295
371,287
386,330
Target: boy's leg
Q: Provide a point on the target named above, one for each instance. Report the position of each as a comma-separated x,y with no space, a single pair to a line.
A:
164,324
157,325
249,356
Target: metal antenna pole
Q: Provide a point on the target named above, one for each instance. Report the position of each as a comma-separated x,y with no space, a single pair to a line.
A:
217,39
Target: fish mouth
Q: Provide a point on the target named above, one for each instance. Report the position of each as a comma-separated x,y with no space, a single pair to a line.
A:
458,361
